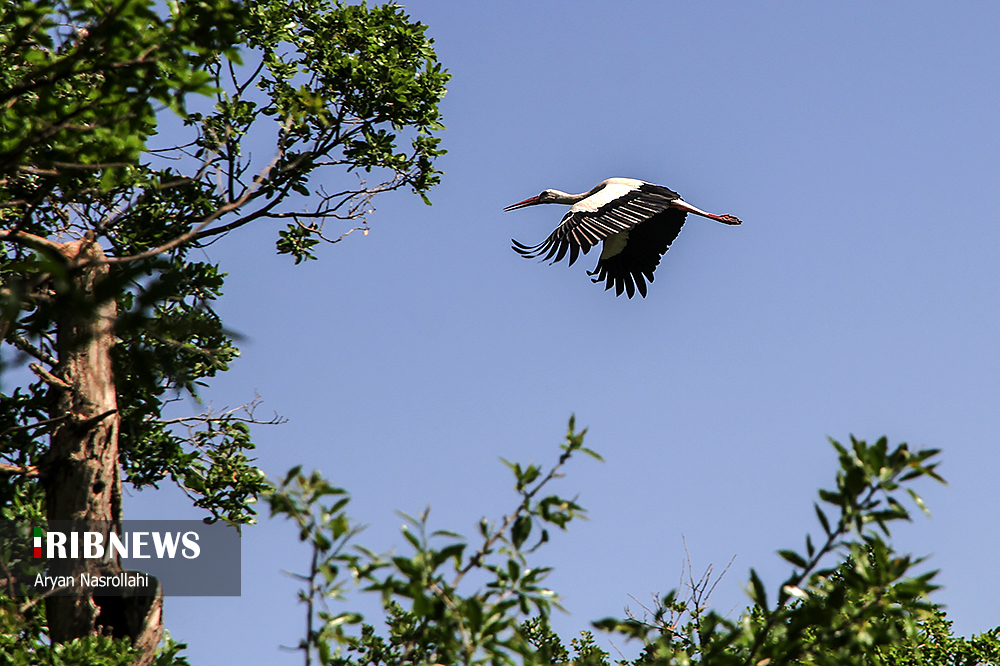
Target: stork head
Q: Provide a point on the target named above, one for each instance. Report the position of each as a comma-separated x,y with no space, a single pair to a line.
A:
548,196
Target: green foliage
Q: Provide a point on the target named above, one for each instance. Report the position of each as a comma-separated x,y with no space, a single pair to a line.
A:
298,242
168,653
88,651
847,613
83,87
81,82
93,651
937,646
849,600
21,623
339,87
863,610
585,652
434,613
355,76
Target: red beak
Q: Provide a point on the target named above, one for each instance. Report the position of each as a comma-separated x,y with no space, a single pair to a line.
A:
521,204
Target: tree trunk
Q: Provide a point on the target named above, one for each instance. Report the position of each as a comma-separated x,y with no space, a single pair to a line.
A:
81,475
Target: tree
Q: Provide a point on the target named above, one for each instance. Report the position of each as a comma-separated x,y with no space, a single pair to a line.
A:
849,600
99,292
431,618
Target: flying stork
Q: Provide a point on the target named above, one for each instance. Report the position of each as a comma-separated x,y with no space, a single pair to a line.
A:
637,221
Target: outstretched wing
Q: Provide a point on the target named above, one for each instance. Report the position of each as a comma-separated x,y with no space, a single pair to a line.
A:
629,260
611,210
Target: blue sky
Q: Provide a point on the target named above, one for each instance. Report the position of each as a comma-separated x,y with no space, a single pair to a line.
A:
857,141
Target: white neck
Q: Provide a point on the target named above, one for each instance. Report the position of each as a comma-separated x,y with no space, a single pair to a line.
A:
566,198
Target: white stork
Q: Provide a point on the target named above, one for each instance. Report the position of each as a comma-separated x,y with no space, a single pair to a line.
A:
637,221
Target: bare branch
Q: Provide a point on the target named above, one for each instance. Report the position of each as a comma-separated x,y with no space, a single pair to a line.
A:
37,424
28,348
109,221
49,378
226,414
28,240
239,88
194,233
154,151
87,424
29,470
72,165
315,230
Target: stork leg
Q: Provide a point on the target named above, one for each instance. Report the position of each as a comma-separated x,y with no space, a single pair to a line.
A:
685,206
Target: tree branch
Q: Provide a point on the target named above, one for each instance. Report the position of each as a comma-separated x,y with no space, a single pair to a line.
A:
21,343
25,239
49,378
28,470
226,414
194,233
37,424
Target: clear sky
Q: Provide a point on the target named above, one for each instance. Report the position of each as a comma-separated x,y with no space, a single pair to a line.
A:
858,142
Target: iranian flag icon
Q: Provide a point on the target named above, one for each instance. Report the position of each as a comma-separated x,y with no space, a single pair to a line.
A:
38,543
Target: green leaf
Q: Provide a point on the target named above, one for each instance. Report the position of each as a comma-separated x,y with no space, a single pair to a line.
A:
919,501
520,530
822,519
756,591
412,538
794,558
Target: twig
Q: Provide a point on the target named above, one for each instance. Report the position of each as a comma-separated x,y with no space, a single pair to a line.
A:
49,378
316,230
210,417
509,520
28,348
29,240
183,238
87,424
37,424
27,470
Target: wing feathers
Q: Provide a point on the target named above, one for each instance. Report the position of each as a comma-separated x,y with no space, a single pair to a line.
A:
644,212
641,254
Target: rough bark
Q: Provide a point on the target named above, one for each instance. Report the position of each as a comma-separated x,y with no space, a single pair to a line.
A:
81,474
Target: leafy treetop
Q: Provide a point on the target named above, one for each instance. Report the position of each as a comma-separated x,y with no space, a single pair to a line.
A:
335,88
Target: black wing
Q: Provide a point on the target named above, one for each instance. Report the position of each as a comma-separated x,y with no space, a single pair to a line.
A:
583,229
644,245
